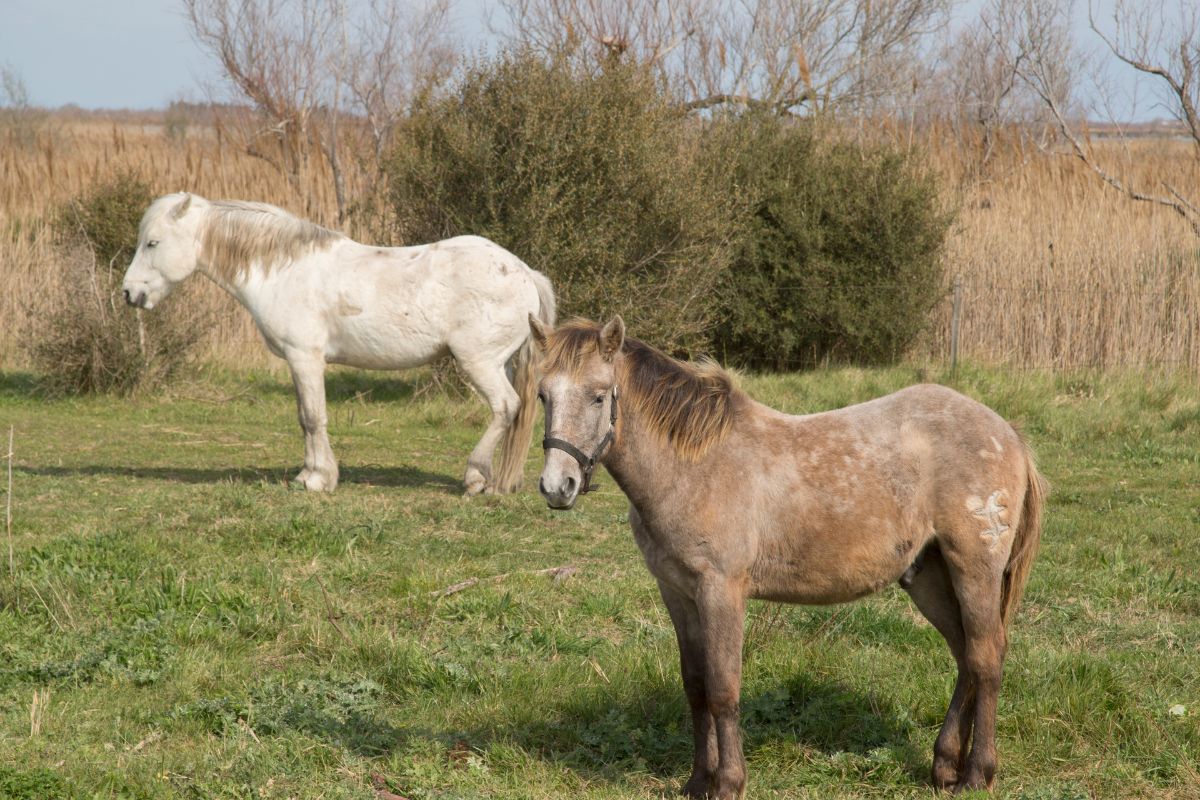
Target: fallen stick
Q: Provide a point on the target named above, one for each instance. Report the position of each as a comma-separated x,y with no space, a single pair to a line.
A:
559,574
456,587
329,612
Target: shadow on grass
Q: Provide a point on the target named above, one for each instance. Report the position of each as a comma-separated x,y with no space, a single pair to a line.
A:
358,732
352,385
341,386
335,710
368,475
607,740
18,385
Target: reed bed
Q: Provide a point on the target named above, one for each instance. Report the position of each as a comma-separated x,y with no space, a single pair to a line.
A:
66,156
1057,270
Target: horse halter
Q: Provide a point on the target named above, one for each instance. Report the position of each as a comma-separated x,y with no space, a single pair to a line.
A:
587,464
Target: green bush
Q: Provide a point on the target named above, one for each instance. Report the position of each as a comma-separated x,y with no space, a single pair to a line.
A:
592,178
106,219
752,237
840,253
83,338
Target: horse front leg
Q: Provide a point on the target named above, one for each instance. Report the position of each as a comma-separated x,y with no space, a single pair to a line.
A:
722,605
686,620
320,472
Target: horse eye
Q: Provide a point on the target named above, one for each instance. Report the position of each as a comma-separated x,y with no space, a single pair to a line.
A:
152,243
599,399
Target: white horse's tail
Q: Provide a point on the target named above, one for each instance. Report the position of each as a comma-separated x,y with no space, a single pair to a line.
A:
515,447
548,306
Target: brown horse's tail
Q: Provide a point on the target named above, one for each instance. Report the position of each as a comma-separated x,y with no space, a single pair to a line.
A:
1027,539
515,447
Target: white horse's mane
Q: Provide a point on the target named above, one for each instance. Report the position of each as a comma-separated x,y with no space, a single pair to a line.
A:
234,234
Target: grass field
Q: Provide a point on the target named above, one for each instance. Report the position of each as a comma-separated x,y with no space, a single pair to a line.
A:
180,623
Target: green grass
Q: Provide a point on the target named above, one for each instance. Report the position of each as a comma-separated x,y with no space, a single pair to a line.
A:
192,627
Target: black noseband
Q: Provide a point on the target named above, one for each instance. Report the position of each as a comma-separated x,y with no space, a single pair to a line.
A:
587,464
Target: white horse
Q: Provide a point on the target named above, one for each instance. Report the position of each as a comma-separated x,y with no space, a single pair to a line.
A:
318,298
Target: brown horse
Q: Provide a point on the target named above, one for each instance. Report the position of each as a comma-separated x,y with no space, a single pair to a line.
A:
730,499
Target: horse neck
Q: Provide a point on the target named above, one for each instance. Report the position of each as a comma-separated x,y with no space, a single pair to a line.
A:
236,281
640,458
232,285
235,286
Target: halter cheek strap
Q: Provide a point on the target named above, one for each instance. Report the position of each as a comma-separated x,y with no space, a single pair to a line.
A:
587,464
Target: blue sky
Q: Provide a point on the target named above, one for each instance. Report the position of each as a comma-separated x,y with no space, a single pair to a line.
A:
105,54
138,54
117,53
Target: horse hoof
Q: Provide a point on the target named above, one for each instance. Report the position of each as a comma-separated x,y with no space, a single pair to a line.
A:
972,785
316,482
727,789
945,776
475,485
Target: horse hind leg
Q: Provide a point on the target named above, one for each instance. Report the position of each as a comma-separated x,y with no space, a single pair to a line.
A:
929,584
491,381
978,587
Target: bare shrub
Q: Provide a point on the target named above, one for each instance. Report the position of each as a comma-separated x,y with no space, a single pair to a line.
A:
20,120
774,55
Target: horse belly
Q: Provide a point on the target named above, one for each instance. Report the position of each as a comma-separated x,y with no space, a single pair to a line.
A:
834,569
365,340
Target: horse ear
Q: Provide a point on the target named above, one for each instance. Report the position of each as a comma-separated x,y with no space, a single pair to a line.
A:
178,211
540,330
612,336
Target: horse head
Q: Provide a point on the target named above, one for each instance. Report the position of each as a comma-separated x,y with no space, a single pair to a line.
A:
579,392
166,251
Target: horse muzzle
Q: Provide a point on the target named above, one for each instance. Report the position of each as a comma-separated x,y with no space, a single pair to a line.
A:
561,497
136,297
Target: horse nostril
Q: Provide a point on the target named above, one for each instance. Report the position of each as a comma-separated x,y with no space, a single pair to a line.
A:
571,486
542,486
128,299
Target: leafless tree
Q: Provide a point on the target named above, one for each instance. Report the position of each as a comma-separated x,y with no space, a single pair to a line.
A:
17,112
980,83
14,94
1152,40
778,54
274,53
403,52
314,69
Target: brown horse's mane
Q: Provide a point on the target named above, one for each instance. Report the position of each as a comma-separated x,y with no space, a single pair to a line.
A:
690,404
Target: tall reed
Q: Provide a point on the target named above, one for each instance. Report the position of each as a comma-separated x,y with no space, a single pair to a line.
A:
1058,269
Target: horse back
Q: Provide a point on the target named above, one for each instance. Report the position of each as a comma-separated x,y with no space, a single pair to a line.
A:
833,506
